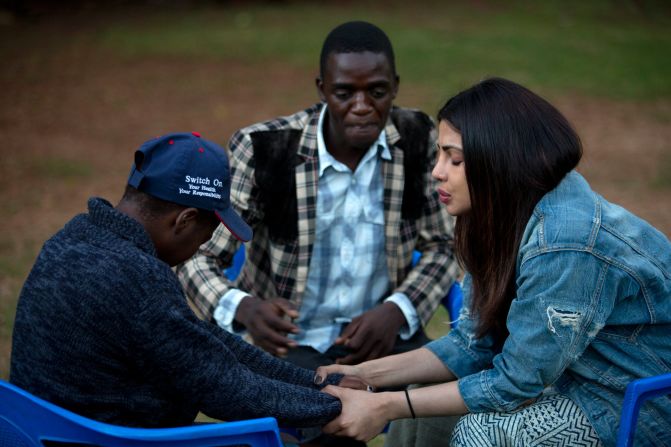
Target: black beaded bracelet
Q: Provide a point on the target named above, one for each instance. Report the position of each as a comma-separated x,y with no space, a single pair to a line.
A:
407,397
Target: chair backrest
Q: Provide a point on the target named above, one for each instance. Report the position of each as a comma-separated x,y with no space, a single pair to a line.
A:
28,421
238,260
637,392
452,302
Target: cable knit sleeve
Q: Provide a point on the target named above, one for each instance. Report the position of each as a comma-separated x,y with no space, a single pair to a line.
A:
214,371
260,362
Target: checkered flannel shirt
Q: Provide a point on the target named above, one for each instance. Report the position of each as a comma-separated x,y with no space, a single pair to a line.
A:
275,269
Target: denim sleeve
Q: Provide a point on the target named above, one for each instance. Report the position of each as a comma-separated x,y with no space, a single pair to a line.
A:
460,350
551,322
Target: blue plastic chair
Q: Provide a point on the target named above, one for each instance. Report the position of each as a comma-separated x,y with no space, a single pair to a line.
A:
238,260
28,421
637,392
452,301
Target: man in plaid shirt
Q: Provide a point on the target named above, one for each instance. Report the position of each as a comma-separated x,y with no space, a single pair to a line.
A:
339,195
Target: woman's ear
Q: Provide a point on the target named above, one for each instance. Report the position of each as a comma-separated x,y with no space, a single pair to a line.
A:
185,220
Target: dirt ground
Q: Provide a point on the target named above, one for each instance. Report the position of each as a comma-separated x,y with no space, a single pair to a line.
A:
72,115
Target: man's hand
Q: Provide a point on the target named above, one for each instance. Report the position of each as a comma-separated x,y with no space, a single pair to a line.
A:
265,321
372,334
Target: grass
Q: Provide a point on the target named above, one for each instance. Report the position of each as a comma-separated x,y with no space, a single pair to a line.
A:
618,51
12,271
62,169
662,179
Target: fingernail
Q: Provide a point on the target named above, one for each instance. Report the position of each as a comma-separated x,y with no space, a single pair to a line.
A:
318,379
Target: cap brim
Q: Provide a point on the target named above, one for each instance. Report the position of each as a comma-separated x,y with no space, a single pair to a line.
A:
234,223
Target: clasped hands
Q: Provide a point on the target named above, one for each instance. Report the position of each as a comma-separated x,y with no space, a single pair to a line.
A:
369,336
364,413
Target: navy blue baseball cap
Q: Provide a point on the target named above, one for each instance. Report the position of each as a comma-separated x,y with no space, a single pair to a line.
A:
185,169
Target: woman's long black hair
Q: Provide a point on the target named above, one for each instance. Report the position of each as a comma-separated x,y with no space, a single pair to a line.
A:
517,147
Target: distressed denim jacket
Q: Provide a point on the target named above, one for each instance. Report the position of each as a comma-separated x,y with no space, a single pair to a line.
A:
592,312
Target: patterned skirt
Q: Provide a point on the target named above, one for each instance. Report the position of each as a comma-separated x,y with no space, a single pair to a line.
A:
553,420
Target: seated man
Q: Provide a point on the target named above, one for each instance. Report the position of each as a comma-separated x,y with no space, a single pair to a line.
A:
339,196
102,326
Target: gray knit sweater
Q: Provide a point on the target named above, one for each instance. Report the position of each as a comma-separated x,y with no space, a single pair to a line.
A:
103,329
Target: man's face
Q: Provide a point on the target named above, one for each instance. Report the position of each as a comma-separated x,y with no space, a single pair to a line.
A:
179,241
359,89
199,233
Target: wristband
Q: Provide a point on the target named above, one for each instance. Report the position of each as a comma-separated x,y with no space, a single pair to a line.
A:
407,397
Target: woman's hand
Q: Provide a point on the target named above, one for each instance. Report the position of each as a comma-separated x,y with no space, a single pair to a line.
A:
363,415
352,377
348,370
416,366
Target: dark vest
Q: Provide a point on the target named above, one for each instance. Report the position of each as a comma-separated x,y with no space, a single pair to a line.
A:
276,157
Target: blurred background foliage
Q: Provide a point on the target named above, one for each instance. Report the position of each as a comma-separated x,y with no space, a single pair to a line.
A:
619,50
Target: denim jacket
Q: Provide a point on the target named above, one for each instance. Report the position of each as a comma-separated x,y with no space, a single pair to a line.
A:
592,312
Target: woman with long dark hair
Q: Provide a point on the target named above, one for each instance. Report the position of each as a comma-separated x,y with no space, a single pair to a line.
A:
567,297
